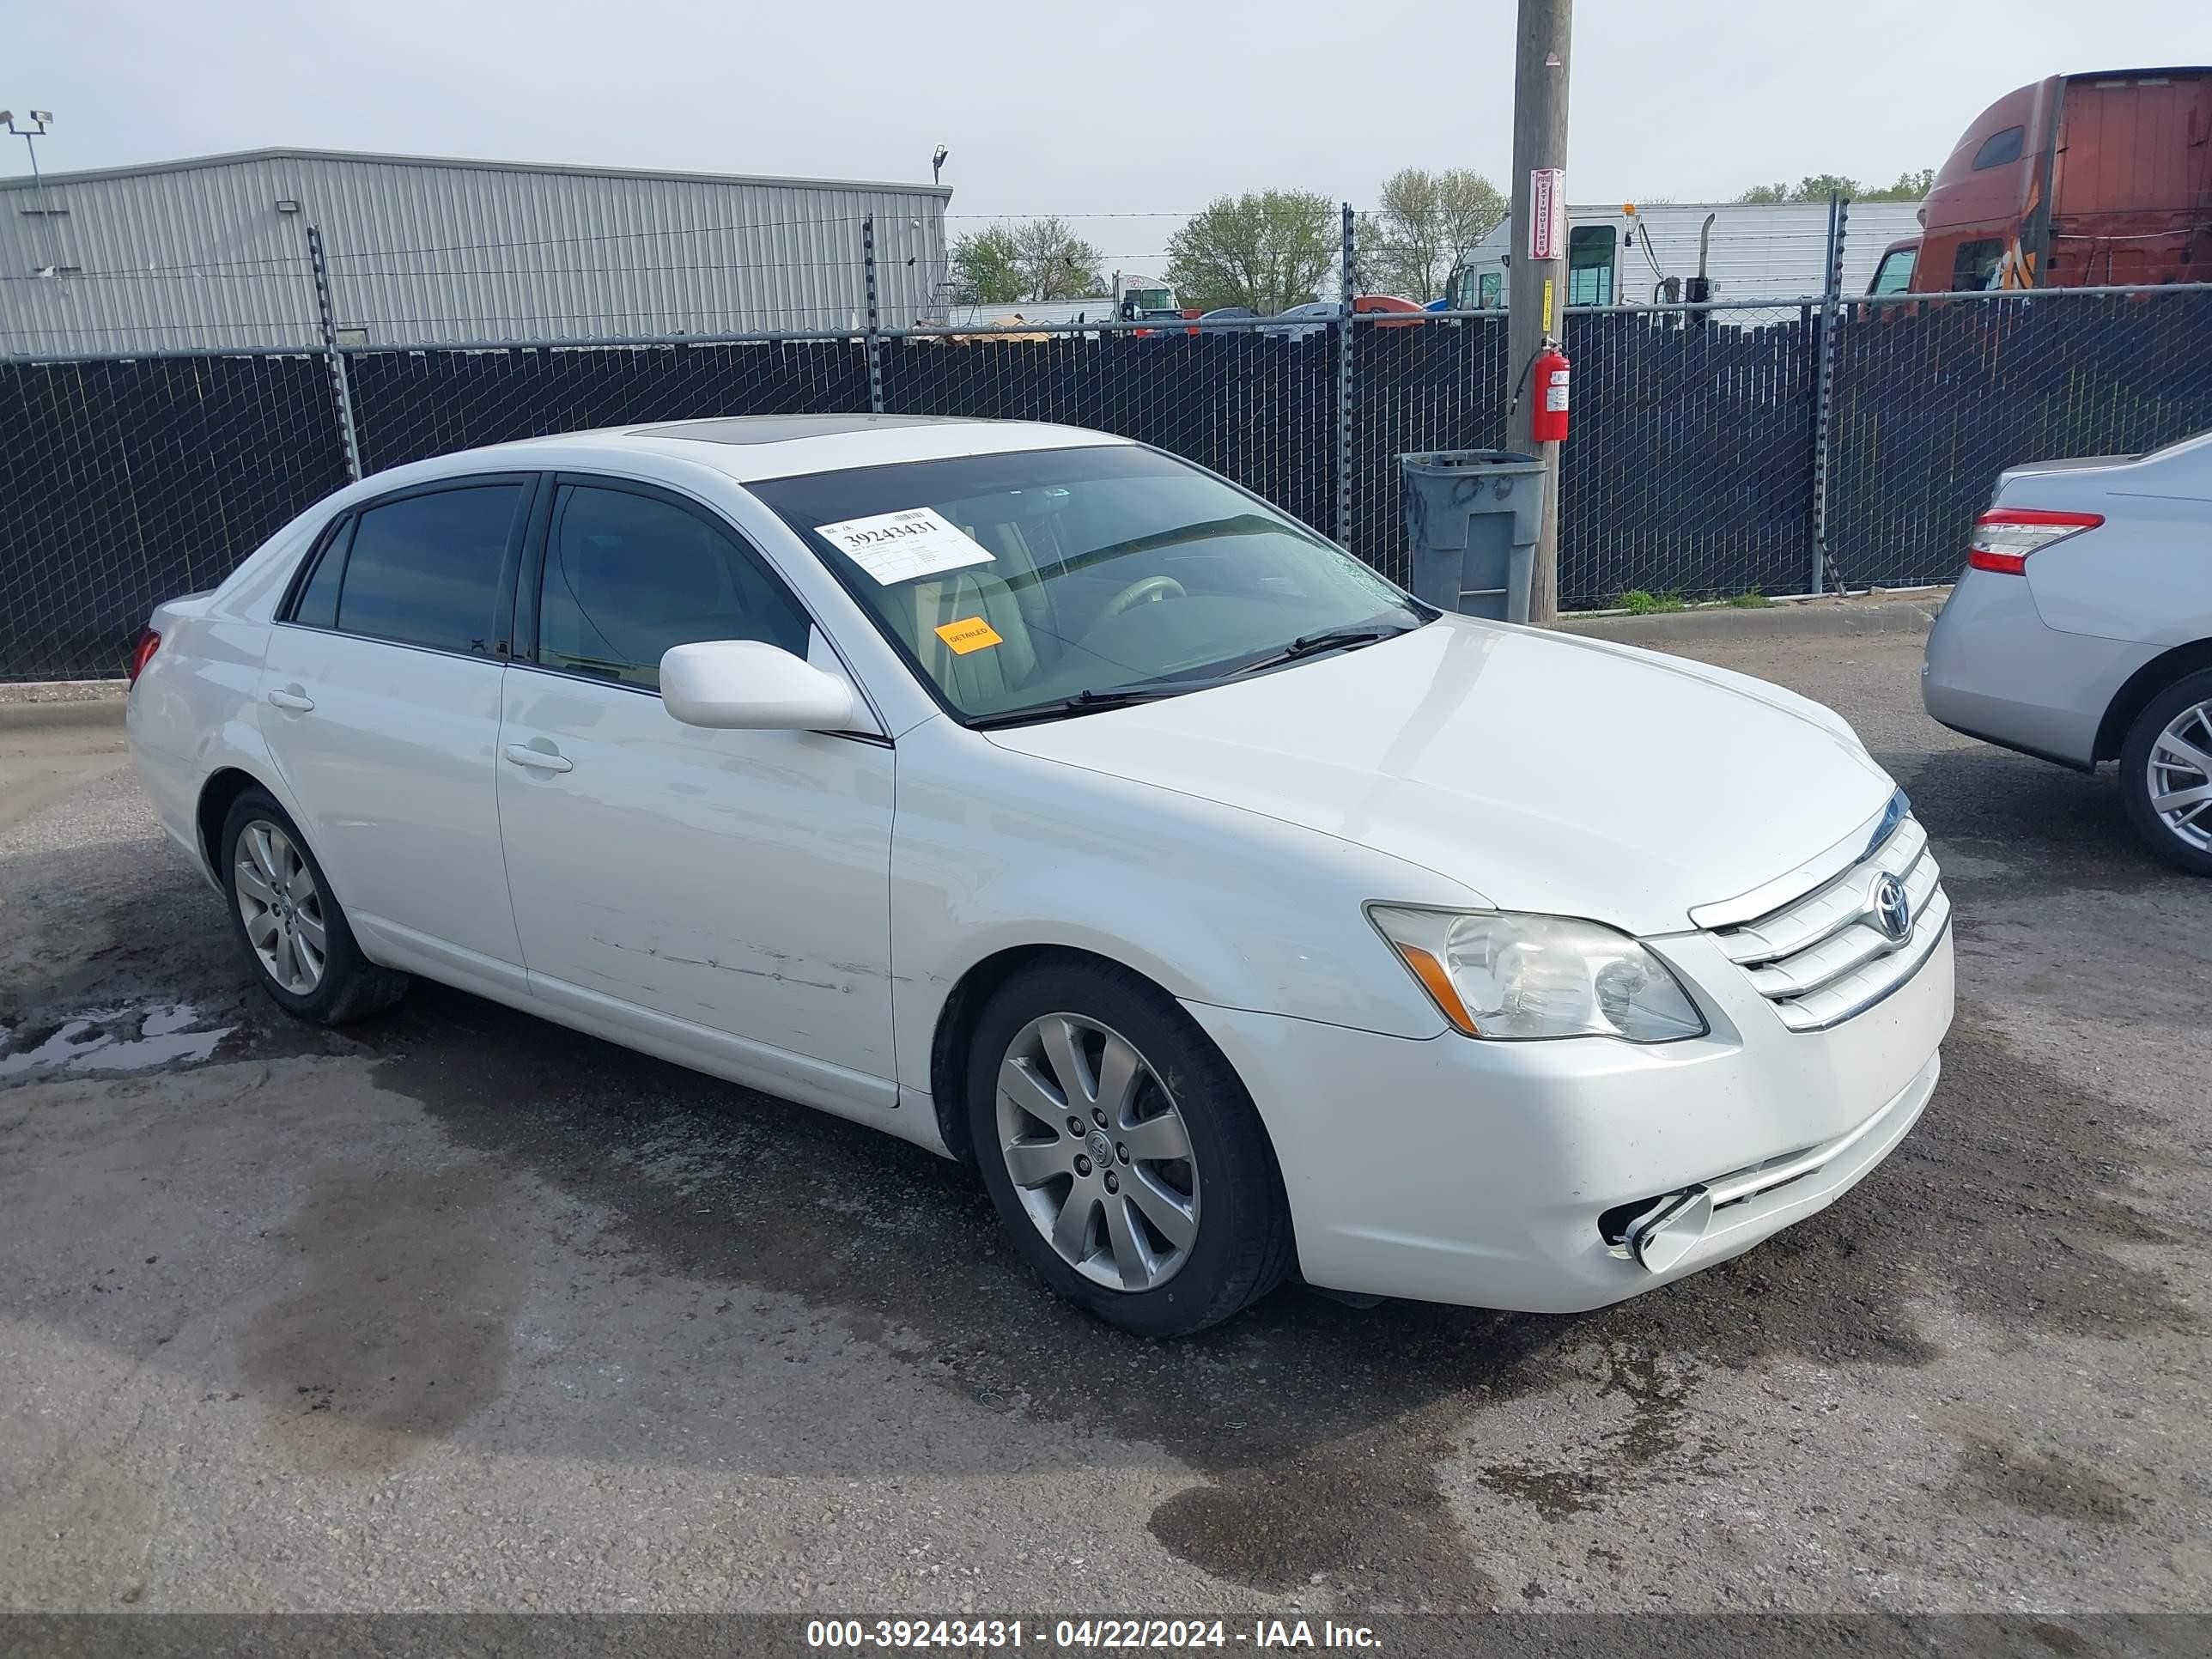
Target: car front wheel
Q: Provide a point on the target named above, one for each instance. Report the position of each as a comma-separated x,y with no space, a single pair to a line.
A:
2166,774
1122,1152
284,913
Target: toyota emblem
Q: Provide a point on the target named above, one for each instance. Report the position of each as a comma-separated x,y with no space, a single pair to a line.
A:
1891,909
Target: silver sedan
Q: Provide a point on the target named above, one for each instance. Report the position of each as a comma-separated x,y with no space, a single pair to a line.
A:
2081,631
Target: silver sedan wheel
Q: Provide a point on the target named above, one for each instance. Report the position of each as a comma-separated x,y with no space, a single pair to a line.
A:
1098,1152
2180,778
282,907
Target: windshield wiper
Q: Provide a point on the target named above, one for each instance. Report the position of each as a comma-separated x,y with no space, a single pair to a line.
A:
1329,639
1089,702
1306,644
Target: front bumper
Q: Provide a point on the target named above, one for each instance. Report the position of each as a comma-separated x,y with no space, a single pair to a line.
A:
1450,1169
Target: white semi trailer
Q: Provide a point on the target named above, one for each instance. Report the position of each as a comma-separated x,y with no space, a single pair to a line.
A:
1626,255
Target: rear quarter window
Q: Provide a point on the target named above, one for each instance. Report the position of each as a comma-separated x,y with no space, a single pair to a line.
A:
318,604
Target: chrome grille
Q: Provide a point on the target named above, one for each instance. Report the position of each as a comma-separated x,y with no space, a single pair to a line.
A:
1821,958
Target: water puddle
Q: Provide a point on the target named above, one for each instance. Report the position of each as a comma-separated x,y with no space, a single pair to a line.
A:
139,1038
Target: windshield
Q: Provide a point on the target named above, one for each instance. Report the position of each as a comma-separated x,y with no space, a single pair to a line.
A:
1150,300
1023,581
1896,273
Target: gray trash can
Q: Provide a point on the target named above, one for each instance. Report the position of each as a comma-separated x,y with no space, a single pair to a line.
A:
1471,519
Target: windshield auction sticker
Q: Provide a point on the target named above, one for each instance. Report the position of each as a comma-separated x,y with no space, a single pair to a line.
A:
897,546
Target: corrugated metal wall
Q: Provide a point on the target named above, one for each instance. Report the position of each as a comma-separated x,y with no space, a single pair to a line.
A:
197,256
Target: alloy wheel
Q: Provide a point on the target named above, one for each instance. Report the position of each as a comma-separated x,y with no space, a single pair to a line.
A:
1098,1152
2180,776
282,907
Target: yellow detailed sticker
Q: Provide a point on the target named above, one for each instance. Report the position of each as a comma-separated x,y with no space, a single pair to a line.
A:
968,634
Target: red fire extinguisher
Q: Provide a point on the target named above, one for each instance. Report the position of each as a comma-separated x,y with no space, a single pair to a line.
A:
1548,421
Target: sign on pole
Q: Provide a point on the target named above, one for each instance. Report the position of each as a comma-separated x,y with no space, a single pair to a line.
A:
1547,213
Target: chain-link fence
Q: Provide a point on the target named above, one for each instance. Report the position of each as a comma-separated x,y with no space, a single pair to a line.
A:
1253,404
1934,397
1691,463
410,404
125,483
1696,465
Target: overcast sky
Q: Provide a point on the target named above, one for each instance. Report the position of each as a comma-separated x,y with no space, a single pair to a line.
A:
1109,107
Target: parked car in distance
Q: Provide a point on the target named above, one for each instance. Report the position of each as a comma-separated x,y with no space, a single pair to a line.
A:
2081,631
1368,304
1062,808
1302,322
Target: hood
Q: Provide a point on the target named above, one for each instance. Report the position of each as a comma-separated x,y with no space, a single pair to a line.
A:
1549,773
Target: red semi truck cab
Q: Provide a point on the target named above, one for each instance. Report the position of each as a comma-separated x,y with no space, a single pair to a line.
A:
2077,181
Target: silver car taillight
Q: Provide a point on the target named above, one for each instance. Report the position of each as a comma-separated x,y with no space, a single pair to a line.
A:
2005,536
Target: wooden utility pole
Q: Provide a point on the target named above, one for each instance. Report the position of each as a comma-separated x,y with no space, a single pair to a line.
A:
1538,286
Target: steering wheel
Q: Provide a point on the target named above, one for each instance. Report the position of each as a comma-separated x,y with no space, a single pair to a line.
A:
1140,591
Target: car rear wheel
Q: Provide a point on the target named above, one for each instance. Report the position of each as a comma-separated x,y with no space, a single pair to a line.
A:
1122,1152
2165,773
290,923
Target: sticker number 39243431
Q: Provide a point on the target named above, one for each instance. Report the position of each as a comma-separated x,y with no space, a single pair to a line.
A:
897,546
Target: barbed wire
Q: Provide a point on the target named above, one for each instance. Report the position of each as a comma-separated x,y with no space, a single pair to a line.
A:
302,269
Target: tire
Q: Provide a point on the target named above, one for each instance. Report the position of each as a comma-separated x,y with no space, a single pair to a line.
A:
2186,705
1226,1241
343,985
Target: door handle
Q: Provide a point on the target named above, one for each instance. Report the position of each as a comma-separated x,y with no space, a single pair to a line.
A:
292,702
542,760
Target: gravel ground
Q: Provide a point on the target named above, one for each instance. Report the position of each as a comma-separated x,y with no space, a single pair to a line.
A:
459,1311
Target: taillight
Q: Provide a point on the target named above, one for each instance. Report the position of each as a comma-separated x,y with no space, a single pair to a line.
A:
2005,536
142,652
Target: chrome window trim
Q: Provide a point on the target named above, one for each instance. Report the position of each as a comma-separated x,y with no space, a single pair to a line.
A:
1808,877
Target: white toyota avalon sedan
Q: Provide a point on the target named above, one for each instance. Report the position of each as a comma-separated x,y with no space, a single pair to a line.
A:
1059,807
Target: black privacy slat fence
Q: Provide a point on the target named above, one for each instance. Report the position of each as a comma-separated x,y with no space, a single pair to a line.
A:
1254,407
1693,469
125,483
409,405
1934,400
1691,463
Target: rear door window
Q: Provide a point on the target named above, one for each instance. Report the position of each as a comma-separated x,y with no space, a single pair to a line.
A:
427,570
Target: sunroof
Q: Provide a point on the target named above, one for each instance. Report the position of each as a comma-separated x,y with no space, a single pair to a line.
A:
783,428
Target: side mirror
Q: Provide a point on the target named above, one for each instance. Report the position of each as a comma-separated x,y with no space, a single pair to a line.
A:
744,685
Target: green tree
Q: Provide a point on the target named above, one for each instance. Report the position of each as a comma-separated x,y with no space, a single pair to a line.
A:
1266,249
986,267
1423,222
1911,186
1054,263
1815,187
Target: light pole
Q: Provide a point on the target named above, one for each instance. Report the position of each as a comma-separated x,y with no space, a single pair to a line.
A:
40,118
1536,277
937,165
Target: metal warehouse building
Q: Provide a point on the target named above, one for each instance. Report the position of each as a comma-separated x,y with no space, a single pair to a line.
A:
214,253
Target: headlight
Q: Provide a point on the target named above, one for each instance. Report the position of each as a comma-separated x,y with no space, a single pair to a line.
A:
1493,974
